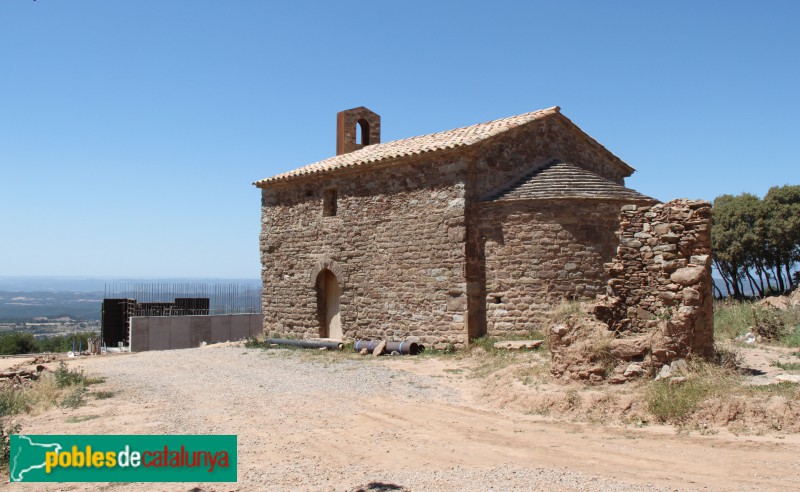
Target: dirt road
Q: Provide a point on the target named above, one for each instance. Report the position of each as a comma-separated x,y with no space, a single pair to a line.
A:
310,421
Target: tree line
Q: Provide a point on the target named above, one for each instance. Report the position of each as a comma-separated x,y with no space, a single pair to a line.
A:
14,342
756,242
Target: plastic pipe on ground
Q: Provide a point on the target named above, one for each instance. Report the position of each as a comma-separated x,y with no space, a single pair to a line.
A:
305,343
403,348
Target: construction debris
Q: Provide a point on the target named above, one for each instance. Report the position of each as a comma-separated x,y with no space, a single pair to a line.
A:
19,375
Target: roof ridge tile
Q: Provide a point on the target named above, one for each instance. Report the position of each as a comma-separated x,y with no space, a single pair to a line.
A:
448,139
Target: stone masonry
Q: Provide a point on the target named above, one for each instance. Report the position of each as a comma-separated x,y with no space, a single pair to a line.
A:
539,257
663,272
659,303
441,238
396,246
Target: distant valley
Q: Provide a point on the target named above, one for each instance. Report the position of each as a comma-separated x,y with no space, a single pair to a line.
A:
24,299
19,306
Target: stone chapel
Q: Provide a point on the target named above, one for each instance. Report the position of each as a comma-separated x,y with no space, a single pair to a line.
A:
441,238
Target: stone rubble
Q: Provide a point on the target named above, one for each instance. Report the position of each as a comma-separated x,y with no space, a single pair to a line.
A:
782,303
659,302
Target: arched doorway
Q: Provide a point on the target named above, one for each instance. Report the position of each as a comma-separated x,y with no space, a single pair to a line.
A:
328,292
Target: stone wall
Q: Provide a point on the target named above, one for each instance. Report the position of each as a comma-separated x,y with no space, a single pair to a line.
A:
407,247
659,305
540,253
663,272
502,161
396,247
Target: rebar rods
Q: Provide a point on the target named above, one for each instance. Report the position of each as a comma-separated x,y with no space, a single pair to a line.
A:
223,297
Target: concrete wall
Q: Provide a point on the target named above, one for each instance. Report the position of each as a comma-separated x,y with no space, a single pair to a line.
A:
178,332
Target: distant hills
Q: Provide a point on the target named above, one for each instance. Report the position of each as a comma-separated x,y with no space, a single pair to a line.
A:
19,306
24,298
92,284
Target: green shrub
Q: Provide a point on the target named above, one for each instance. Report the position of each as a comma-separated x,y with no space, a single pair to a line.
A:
485,342
24,343
17,343
732,318
65,377
735,318
787,366
74,398
673,403
63,387
5,448
256,343
12,401
64,343
792,338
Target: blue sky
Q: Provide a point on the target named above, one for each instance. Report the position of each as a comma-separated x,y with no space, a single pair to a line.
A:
131,130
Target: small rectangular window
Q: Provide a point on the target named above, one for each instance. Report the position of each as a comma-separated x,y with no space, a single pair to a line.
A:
329,203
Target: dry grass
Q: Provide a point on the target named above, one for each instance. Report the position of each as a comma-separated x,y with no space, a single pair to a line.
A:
43,394
63,387
38,397
735,318
565,310
490,362
674,403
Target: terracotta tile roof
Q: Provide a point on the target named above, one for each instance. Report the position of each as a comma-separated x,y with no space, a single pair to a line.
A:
562,180
459,137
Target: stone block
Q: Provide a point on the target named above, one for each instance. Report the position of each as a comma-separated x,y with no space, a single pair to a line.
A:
457,304
688,275
518,344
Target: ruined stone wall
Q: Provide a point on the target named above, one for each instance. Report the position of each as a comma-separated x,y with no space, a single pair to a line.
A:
396,246
663,273
659,302
540,253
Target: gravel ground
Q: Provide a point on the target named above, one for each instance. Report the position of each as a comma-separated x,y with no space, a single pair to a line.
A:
307,420
295,413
